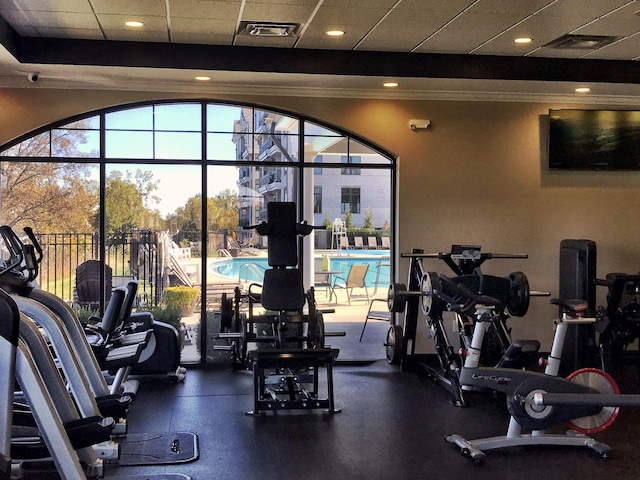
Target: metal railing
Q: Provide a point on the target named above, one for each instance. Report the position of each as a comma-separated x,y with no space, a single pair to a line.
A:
133,254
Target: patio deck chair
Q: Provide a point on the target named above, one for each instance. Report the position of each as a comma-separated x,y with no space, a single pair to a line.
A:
372,243
354,279
357,243
386,243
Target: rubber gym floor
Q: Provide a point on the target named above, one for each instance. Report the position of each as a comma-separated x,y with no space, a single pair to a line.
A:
391,427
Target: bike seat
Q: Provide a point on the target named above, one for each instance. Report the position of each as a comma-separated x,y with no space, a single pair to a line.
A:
572,304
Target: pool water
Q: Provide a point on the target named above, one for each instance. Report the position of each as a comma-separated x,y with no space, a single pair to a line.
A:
251,269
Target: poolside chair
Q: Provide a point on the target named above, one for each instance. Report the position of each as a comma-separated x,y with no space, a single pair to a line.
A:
357,243
344,243
355,279
372,242
386,243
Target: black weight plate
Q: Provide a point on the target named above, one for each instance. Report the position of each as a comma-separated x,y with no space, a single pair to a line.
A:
316,331
519,294
394,344
396,299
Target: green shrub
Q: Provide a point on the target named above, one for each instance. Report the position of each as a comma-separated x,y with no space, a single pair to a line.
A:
180,297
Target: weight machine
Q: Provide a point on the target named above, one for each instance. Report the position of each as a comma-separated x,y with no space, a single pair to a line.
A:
464,261
291,349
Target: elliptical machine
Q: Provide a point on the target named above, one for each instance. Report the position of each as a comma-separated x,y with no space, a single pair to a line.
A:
587,400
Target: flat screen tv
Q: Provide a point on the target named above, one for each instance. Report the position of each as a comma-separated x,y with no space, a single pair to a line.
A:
594,139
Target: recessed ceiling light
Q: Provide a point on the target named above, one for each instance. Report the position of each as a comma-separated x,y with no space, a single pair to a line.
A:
583,90
390,84
134,23
523,40
202,78
334,33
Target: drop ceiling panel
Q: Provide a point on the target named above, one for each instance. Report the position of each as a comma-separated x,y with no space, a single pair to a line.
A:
350,15
204,9
626,49
115,24
621,25
79,6
57,20
375,4
137,36
580,8
521,7
380,39
128,7
450,6
467,32
204,26
268,12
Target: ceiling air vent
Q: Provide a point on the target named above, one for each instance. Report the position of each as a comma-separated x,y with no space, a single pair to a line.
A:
582,42
268,29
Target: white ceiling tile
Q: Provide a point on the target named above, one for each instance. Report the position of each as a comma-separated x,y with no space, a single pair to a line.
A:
350,15
450,6
204,9
58,20
116,22
78,6
269,12
129,7
203,25
626,49
137,36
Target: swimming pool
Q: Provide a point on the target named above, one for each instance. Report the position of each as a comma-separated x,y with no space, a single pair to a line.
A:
251,269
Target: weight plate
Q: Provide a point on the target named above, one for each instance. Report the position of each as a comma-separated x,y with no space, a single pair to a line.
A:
603,383
316,331
241,344
226,313
428,285
396,299
394,344
519,294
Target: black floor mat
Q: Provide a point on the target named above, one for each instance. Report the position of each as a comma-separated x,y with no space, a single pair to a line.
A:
354,351
153,476
158,449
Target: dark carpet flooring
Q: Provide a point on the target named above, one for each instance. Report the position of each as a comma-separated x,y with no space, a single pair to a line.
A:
392,426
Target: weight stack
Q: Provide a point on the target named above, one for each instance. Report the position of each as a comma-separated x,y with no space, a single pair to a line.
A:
577,279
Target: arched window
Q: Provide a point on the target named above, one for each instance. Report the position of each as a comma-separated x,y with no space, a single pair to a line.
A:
125,185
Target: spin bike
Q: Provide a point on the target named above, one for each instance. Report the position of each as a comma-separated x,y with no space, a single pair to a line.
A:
587,400
464,261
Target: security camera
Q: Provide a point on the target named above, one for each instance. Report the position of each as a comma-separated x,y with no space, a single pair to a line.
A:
33,77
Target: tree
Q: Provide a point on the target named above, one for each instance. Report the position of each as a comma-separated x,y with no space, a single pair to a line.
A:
222,213
127,201
123,204
49,196
348,218
368,219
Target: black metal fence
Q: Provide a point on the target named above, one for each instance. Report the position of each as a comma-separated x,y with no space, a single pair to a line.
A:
129,255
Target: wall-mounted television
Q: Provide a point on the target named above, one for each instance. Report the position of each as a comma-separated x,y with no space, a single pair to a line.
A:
594,139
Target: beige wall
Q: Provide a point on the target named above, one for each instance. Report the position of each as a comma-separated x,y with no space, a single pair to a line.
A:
478,176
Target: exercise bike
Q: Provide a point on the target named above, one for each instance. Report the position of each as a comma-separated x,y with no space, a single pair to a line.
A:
587,400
